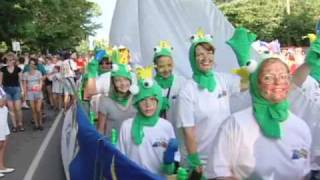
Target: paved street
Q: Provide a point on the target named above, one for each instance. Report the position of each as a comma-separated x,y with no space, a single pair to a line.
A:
23,148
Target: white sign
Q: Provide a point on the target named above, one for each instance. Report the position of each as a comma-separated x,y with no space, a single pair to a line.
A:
16,46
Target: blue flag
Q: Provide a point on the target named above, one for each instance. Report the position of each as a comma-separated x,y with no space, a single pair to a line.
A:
99,159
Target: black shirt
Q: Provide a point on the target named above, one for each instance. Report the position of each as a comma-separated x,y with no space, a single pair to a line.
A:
10,79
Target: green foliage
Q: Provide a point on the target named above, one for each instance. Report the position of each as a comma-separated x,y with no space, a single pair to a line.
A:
47,24
83,47
3,47
270,20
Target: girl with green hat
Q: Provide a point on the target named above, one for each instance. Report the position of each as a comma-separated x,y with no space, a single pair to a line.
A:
145,137
265,141
117,106
169,82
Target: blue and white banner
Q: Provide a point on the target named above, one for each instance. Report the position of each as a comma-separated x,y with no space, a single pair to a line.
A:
98,159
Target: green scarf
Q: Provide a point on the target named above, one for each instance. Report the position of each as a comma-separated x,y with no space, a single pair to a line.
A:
138,124
140,120
121,100
206,80
164,83
268,115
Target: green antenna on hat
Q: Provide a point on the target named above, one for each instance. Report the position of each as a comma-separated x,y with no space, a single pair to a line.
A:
241,45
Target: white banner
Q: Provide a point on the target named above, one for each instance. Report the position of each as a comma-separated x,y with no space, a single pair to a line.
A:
140,25
68,140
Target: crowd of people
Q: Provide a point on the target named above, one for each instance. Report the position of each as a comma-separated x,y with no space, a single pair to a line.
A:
32,81
145,114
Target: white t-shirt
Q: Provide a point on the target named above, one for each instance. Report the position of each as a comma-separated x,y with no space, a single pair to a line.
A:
68,67
308,110
311,89
103,83
242,151
149,154
4,128
205,110
178,82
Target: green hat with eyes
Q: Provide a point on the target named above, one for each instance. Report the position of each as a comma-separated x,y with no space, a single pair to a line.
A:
120,68
205,80
268,115
241,44
163,49
147,88
313,59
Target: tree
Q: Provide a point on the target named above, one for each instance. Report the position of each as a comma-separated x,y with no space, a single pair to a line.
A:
47,25
13,16
269,19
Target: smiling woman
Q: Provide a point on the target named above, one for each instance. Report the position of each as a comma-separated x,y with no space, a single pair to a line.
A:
265,141
274,80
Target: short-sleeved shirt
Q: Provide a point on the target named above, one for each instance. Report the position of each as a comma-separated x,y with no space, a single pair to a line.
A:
242,151
10,79
68,68
115,113
4,128
33,80
148,154
173,92
205,110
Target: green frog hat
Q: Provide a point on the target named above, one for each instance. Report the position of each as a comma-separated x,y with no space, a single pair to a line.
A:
121,68
147,88
240,43
205,80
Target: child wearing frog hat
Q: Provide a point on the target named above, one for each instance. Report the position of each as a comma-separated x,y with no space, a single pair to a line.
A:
146,137
117,106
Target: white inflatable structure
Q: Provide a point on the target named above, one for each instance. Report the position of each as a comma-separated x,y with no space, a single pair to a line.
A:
140,25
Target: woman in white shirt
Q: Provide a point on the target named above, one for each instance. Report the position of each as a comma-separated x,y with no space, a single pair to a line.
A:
169,82
265,141
203,103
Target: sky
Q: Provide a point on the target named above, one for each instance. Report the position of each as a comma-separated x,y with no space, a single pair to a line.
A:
107,8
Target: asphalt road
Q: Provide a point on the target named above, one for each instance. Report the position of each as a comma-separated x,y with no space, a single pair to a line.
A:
23,148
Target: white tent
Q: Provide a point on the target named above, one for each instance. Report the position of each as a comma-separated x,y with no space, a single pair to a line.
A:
141,24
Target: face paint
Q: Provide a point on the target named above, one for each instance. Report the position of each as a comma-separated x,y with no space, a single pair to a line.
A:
274,82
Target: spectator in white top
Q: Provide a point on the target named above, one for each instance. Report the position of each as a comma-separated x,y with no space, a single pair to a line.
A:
69,67
4,132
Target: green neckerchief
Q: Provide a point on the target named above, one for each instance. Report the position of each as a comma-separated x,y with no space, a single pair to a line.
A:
206,80
268,115
121,100
164,83
139,122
